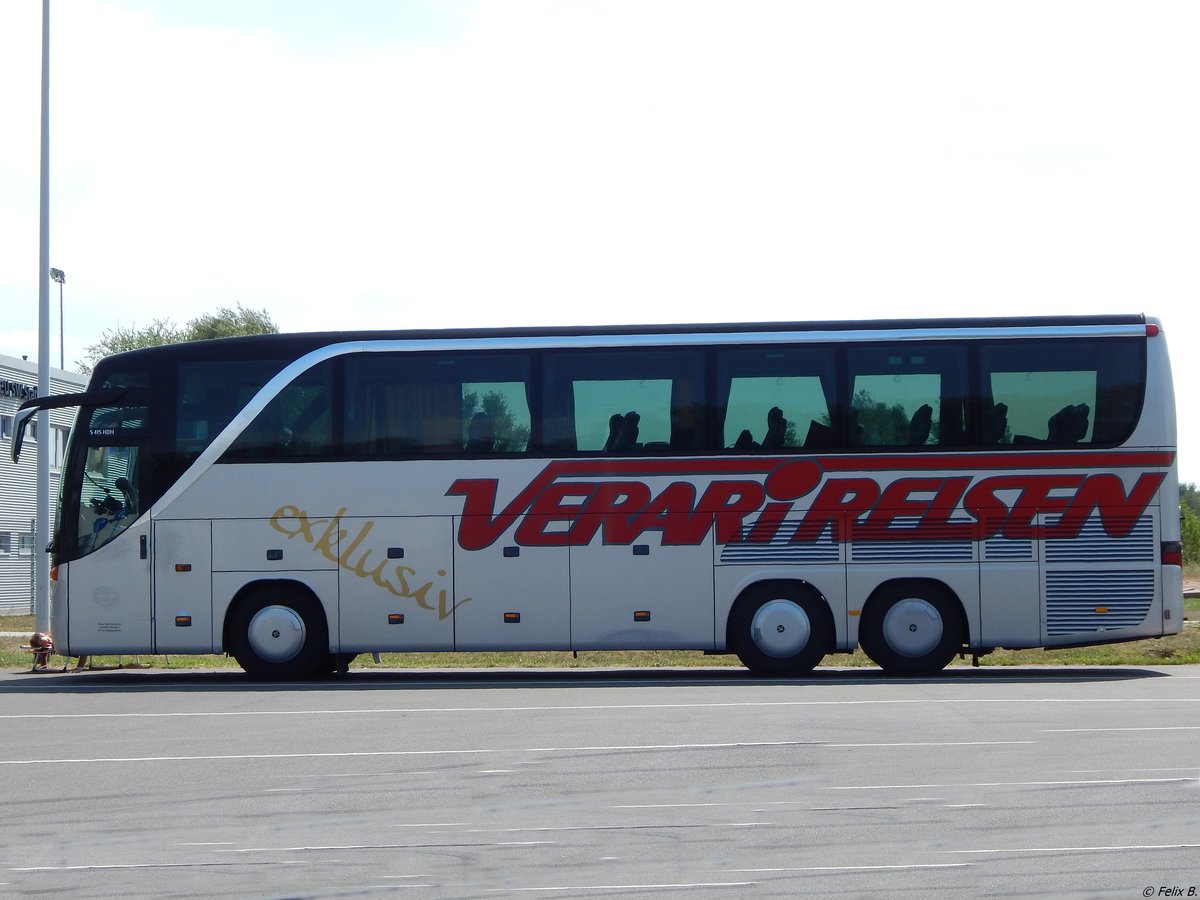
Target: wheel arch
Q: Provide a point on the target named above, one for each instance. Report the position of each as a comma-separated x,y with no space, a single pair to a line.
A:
748,590
282,584
918,584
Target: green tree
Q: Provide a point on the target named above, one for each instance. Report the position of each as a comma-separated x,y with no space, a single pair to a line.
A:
509,435
884,425
225,322
1189,525
1189,496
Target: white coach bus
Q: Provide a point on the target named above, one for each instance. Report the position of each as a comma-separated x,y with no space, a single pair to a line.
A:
922,489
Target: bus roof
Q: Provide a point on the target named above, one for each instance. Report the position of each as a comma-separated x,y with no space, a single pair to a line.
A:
293,344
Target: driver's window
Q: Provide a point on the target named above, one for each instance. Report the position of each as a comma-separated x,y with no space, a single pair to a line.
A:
109,502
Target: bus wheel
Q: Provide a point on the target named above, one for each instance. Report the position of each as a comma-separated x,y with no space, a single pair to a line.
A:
780,628
911,628
279,632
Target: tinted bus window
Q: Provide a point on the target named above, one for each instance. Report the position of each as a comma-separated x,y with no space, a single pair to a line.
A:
907,395
776,398
1061,392
430,404
624,401
210,394
296,424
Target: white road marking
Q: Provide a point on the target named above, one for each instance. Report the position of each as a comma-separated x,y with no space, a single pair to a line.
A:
392,753
895,701
1124,848
339,847
1146,728
931,744
638,827
856,868
201,865
1098,771
666,805
909,787
619,887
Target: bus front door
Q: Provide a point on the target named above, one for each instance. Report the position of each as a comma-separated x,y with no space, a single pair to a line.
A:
108,593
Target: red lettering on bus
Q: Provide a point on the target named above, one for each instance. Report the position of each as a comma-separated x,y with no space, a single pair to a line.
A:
569,503
1037,497
612,505
933,514
550,508
1118,511
671,513
726,504
839,501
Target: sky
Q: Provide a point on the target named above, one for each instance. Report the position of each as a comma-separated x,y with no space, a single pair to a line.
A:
428,163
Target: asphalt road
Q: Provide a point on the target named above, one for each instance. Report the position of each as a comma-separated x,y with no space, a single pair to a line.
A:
1038,782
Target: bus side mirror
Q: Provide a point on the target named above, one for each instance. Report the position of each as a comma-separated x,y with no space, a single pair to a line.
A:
20,420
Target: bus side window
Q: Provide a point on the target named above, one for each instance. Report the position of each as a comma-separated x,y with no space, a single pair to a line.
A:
495,416
776,398
908,395
296,423
995,424
645,401
436,404
1061,392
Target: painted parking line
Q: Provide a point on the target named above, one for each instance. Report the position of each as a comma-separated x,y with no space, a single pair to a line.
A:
602,707
454,751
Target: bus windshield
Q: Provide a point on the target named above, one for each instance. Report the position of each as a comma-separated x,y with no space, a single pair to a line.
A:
109,501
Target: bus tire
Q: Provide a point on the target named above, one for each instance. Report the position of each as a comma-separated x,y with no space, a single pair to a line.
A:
278,632
912,628
780,628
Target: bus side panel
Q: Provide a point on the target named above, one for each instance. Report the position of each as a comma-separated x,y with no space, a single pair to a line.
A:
1010,592
396,584
513,596
1172,598
183,586
109,596
646,595
1104,584
245,551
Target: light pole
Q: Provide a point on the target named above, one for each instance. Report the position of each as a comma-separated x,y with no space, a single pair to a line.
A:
57,275
41,593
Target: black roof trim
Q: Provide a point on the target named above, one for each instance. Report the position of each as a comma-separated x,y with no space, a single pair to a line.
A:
292,344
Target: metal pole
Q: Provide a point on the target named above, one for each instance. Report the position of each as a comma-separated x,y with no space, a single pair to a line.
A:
32,570
42,538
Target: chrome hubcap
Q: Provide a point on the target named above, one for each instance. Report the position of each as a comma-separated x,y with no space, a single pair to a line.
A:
276,633
912,627
780,628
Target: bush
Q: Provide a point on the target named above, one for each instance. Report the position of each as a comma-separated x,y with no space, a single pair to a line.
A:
1190,529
